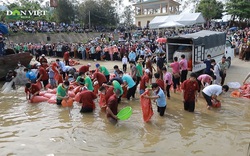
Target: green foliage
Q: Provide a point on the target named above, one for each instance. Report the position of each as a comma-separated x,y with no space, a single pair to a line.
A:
210,9
238,8
65,11
128,16
102,13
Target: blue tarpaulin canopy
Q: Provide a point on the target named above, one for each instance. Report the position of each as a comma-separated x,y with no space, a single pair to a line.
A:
233,28
3,29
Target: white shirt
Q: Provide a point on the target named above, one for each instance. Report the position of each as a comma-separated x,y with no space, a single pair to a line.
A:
212,90
124,60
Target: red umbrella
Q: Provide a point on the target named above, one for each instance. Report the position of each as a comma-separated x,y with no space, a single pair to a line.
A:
161,40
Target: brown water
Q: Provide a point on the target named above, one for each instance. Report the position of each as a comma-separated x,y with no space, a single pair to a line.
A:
45,129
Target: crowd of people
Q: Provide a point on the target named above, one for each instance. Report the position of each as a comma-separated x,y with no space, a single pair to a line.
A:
111,87
30,26
143,75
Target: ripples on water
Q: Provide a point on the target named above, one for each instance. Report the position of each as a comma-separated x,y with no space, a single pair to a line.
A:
46,129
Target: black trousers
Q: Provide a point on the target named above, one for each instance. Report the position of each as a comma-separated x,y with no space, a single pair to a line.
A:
176,82
93,56
184,75
208,99
124,67
59,102
107,78
45,82
86,110
138,79
223,79
107,56
168,90
131,92
161,110
189,106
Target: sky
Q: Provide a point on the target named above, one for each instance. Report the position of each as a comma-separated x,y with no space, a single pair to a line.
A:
186,5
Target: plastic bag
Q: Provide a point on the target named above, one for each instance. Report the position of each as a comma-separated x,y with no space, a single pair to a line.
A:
37,99
234,85
102,101
125,90
67,103
146,105
52,100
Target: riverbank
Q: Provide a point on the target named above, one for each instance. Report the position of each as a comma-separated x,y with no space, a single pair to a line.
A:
53,37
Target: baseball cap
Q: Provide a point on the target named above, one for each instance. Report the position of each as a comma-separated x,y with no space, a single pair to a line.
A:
97,65
43,55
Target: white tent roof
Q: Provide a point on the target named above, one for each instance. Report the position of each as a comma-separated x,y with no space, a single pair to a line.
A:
185,19
191,19
171,24
158,20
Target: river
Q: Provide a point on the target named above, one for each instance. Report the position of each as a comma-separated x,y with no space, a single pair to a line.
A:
48,130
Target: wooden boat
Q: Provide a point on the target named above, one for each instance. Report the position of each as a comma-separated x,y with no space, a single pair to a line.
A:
9,62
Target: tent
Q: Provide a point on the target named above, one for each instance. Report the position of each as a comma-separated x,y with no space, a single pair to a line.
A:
171,24
189,19
158,20
186,19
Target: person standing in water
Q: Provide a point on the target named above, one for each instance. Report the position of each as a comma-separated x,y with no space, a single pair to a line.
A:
62,92
87,98
212,92
223,67
159,97
189,89
112,107
183,65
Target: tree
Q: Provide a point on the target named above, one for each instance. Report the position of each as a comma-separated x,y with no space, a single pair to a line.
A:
102,13
65,12
238,9
128,16
210,9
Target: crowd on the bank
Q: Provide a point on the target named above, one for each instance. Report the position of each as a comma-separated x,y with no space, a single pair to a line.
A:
100,48
241,41
30,26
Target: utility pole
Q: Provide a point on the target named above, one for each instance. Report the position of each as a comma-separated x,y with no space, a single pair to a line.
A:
89,21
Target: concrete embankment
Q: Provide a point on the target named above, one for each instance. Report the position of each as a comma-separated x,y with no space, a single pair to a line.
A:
53,37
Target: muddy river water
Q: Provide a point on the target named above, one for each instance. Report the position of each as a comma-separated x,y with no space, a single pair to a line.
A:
48,130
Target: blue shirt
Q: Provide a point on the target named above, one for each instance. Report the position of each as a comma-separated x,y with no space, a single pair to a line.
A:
51,73
92,50
132,56
161,101
31,75
61,65
129,80
208,65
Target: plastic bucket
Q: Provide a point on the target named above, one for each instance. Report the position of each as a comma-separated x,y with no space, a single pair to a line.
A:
125,113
